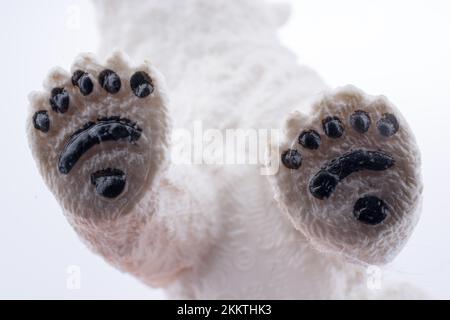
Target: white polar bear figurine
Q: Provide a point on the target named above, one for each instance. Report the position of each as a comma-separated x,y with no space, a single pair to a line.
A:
346,193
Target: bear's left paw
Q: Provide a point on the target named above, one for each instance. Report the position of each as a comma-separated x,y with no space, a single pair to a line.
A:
350,176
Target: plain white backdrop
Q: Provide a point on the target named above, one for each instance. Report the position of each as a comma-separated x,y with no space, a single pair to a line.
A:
397,48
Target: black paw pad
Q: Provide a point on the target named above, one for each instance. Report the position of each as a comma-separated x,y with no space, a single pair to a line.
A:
82,80
141,84
323,184
41,121
370,210
110,81
310,139
360,121
333,127
59,100
109,183
291,159
92,134
388,125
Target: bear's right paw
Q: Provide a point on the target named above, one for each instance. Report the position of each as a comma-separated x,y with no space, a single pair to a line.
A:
100,134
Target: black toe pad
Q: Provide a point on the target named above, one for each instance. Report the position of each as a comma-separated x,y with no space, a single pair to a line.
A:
110,81
41,121
360,121
141,84
82,80
291,159
310,139
388,125
59,100
333,127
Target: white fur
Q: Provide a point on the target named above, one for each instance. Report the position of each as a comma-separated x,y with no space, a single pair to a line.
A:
213,232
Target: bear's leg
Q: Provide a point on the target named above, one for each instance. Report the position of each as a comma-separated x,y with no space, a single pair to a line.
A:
349,176
100,137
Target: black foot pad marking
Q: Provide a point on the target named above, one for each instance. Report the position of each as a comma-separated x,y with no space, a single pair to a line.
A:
82,80
388,125
110,81
291,159
109,183
310,139
59,100
333,127
141,84
370,210
112,129
360,121
324,183
41,121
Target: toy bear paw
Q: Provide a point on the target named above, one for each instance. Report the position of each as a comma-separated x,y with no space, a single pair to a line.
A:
350,176
99,134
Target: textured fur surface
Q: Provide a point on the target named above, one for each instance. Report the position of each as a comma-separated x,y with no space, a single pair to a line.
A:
223,231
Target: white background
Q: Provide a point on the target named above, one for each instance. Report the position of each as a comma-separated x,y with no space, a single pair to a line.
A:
397,48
